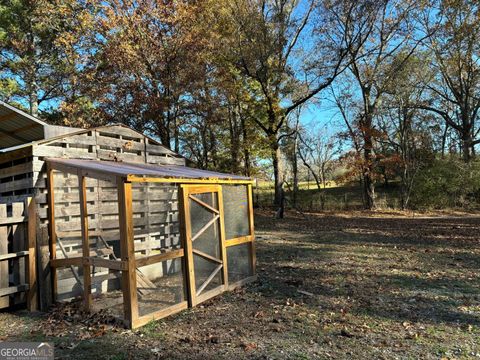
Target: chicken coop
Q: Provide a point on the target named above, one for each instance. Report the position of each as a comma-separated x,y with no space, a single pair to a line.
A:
115,218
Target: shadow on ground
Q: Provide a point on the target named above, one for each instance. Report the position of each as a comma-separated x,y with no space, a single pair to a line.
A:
402,269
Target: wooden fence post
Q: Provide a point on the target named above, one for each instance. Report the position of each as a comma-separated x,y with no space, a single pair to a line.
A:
253,257
4,300
222,236
129,277
31,207
87,279
18,243
52,230
187,235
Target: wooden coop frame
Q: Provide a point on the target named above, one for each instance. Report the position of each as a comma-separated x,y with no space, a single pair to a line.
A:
191,184
23,174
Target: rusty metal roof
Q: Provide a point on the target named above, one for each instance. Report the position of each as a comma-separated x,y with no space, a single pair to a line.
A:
125,169
18,127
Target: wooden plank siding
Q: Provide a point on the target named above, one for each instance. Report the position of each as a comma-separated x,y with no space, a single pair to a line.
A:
104,235
18,283
23,173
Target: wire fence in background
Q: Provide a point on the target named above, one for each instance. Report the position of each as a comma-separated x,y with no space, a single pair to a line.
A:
313,201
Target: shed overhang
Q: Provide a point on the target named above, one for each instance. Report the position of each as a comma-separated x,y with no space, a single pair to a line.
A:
137,172
18,127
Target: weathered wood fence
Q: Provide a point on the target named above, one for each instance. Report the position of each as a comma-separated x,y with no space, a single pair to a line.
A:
17,254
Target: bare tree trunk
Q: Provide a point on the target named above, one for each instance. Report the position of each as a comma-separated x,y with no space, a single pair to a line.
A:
34,101
32,88
246,152
323,171
368,185
176,135
295,168
444,140
212,148
466,145
278,176
164,135
311,171
369,190
234,142
31,75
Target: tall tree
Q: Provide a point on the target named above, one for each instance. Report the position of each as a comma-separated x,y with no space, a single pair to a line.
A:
266,44
455,48
407,131
378,32
149,62
36,42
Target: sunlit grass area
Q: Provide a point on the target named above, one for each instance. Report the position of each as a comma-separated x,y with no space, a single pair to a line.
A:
334,197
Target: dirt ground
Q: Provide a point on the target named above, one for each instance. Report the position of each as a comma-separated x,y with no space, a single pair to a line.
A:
343,286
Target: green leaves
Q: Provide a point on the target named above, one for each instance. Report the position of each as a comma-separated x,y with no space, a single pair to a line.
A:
40,49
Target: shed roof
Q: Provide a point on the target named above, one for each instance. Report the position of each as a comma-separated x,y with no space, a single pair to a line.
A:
138,172
18,127
19,130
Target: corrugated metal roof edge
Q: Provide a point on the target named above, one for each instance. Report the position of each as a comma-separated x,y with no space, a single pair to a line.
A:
23,113
123,169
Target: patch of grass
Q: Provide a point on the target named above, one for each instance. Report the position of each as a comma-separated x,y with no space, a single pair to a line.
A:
152,331
334,197
118,357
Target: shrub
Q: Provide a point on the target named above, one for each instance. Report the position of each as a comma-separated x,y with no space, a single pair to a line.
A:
447,183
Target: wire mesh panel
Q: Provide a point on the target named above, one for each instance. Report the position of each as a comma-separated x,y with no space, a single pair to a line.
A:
104,236
235,205
69,282
160,283
104,226
239,262
205,238
162,288
100,221
155,218
207,242
68,234
108,299
207,274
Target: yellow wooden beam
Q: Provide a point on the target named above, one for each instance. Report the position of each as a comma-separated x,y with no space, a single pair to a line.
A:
105,263
127,250
134,178
186,229
148,260
223,246
87,277
253,255
239,240
159,314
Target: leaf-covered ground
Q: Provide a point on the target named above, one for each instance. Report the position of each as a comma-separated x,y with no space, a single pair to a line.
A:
343,286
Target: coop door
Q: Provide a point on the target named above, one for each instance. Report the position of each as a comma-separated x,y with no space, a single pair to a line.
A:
205,241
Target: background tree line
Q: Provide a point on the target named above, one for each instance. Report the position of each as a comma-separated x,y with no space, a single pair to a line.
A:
225,83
